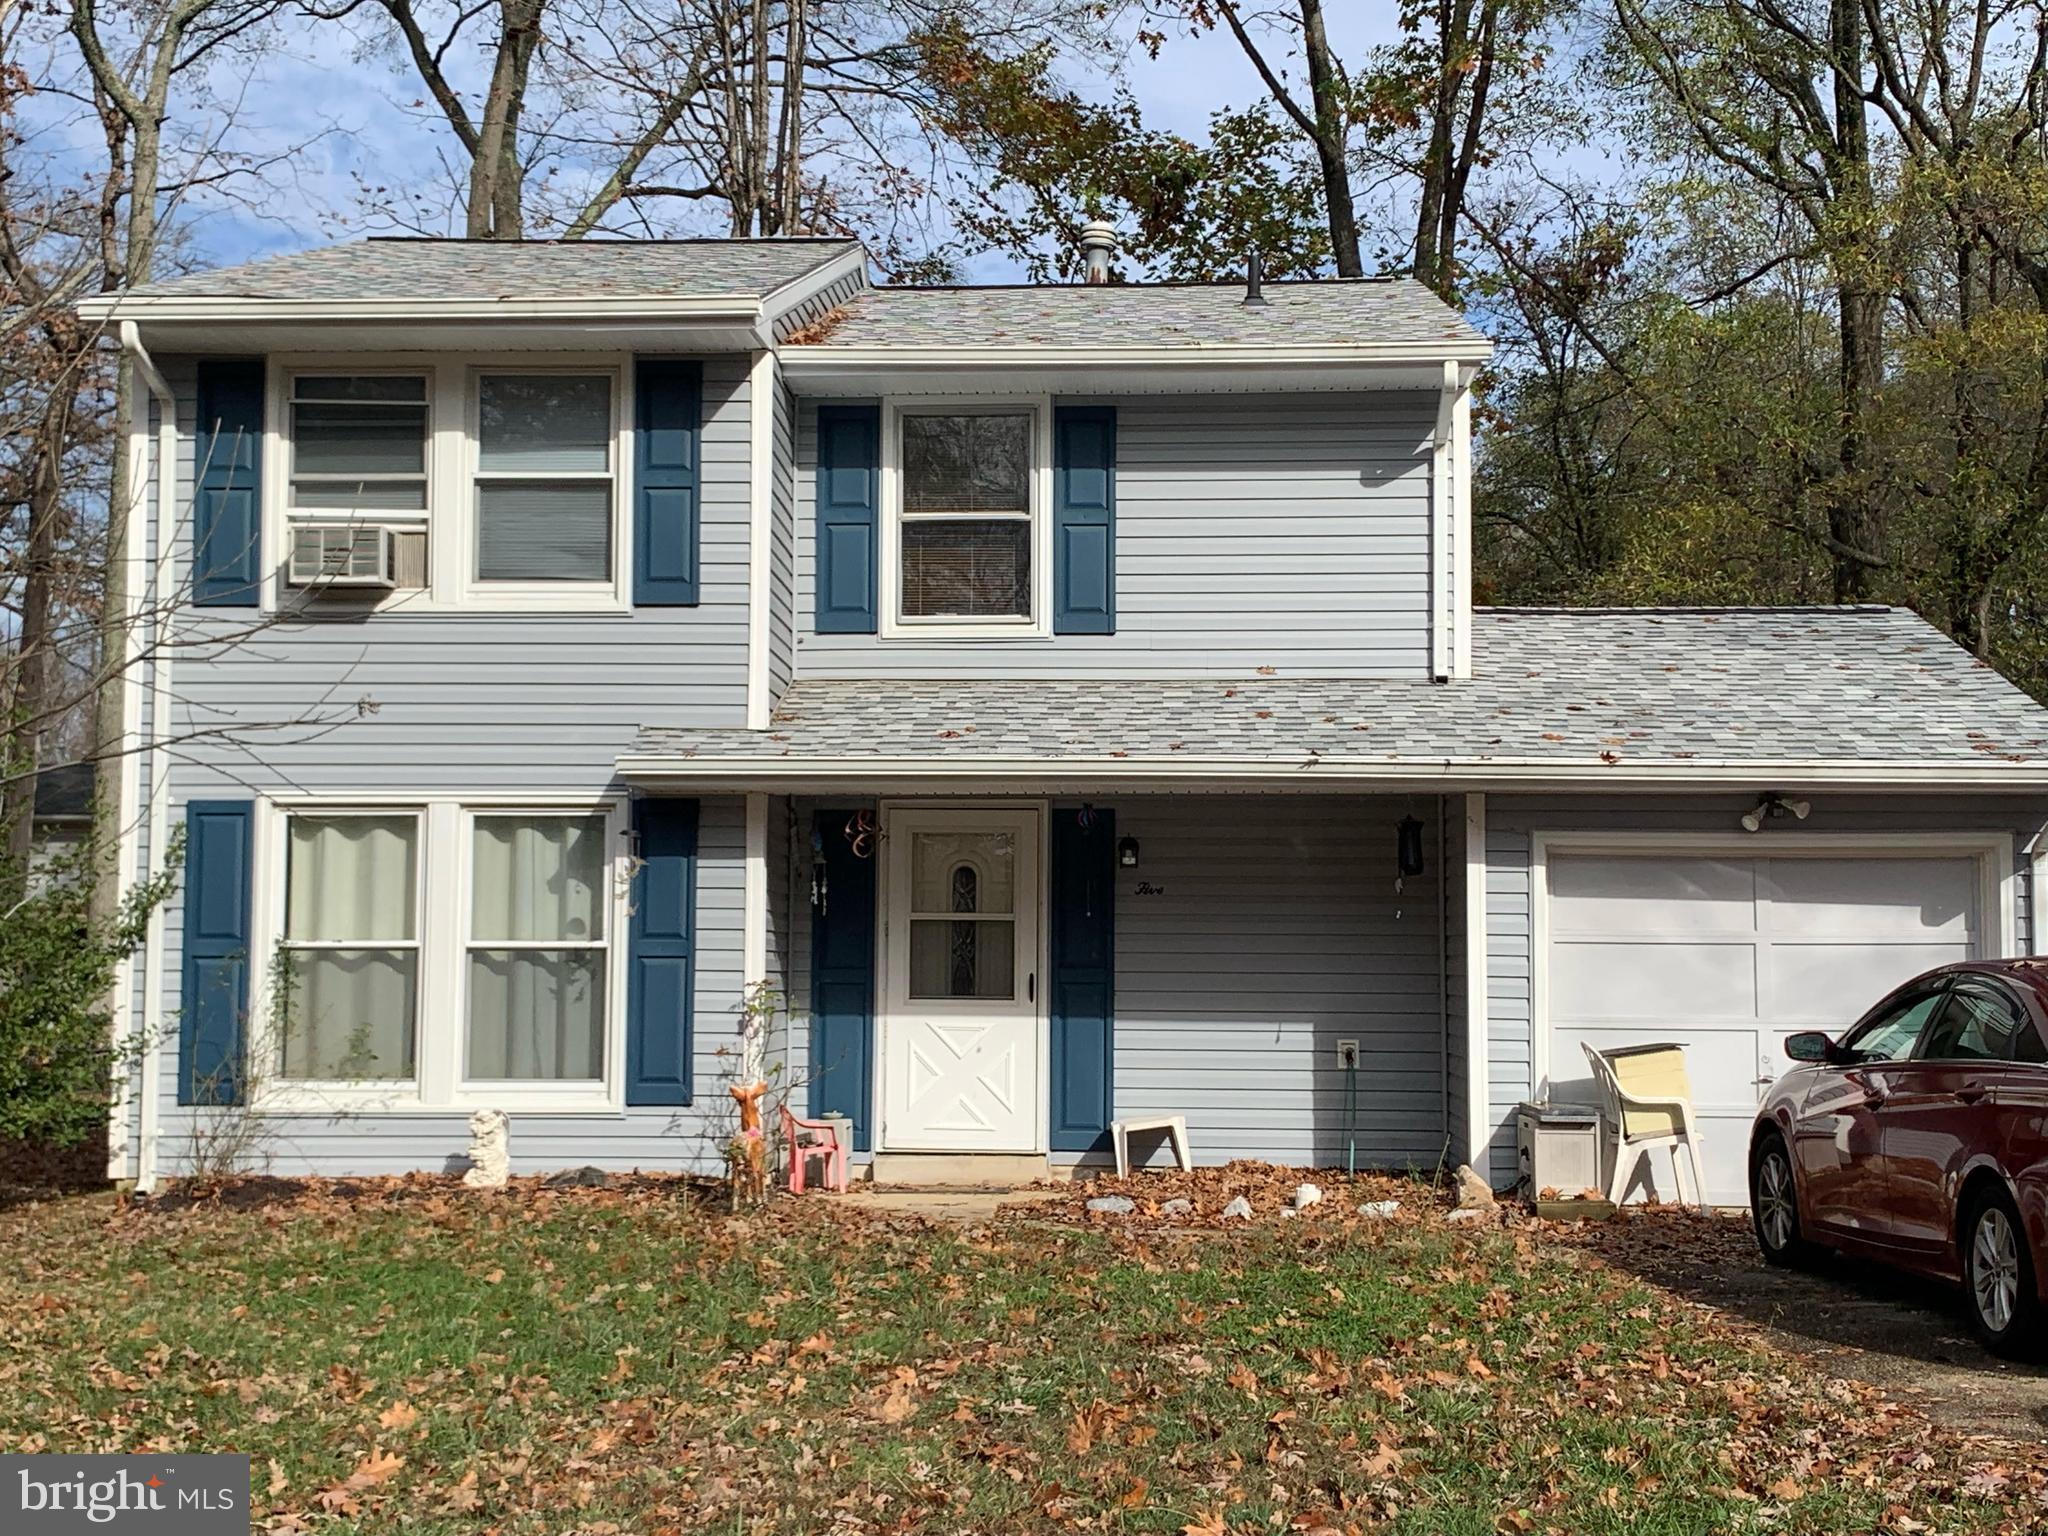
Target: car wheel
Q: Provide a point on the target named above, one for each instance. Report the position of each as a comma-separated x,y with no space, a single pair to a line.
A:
1774,1203
1998,1277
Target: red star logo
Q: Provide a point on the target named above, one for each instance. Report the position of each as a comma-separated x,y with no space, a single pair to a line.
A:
156,1482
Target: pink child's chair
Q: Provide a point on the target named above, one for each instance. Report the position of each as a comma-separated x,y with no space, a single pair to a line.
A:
802,1139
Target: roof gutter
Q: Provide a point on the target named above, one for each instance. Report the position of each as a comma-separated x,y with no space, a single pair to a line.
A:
743,309
820,361
1311,773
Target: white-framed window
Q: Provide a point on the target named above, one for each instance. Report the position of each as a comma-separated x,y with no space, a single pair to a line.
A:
359,443
967,541
348,1009
536,971
504,480
440,954
546,492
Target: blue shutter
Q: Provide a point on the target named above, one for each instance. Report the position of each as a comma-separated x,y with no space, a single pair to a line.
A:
227,503
668,398
849,522
215,980
843,980
1082,902
661,953
1084,520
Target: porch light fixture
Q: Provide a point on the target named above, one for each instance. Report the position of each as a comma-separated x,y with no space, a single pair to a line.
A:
1770,808
1127,852
1408,849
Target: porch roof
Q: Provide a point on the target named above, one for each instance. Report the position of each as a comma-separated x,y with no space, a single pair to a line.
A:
1629,697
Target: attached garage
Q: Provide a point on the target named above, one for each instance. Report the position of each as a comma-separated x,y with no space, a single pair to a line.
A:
1727,950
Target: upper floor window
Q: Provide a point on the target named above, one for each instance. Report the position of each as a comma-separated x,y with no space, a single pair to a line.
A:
462,483
967,516
544,490
359,442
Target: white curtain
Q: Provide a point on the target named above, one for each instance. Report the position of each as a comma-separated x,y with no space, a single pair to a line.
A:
537,1013
352,1011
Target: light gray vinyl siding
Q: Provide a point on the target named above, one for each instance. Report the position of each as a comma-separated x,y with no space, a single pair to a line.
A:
822,303
1272,931
1283,531
454,704
370,1142
451,701
1512,819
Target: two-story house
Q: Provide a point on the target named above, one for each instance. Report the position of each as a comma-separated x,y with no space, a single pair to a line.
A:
1068,699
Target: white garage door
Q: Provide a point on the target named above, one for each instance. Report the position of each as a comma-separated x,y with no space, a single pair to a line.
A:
1727,956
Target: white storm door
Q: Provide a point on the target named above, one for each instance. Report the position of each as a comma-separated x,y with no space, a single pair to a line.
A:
960,1062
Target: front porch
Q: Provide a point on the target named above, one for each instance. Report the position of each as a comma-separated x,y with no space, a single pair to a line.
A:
1213,957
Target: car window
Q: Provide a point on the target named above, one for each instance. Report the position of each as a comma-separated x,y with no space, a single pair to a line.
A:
1890,1036
1983,1022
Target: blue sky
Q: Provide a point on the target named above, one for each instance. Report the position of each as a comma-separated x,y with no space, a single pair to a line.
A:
356,122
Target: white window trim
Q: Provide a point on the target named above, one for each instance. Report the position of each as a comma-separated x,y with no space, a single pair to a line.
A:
893,625
442,926
452,455
514,1093
1997,922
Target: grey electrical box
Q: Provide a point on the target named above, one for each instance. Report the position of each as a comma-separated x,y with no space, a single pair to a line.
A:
1557,1146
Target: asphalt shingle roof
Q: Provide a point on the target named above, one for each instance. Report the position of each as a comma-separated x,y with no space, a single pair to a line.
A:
490,269
1330,313
1578,688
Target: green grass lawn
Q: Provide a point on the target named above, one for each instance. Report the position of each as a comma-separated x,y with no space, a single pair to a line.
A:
632,1361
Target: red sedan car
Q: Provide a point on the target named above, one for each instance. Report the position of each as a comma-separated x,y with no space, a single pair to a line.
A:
1920,1138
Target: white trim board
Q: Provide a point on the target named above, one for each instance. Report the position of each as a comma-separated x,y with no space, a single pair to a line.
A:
1479,1126
1997,899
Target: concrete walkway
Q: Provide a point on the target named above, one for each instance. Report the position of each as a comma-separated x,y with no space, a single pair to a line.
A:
964,1206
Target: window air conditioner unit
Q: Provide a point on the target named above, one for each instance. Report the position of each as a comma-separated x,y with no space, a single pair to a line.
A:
341,555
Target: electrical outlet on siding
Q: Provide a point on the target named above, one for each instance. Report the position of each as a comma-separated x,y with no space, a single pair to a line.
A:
1347,1053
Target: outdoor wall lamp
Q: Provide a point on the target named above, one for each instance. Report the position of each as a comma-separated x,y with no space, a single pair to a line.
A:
1772,806
1127,852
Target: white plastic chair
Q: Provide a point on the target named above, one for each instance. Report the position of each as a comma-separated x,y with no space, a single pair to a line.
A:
1639,1124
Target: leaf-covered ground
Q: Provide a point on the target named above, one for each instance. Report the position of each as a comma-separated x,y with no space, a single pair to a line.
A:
413,1355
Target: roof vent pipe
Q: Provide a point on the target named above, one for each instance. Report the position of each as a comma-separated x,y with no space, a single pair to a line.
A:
1098,246
1254,279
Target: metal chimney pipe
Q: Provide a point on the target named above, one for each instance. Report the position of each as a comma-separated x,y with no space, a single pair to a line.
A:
1254,279
1098,245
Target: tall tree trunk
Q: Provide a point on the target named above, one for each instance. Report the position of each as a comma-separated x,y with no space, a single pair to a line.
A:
1855,522
1326,88
32,699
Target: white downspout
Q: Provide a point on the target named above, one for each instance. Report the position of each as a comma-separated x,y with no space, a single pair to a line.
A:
1442,526
1464,556
159,813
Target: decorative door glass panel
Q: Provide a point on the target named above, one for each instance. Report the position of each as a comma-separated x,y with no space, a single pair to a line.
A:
963,919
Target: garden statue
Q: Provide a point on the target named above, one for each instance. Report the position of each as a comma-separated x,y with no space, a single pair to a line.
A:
490,1161
746,1157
